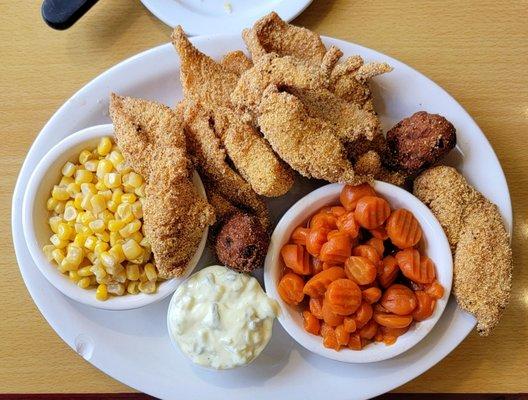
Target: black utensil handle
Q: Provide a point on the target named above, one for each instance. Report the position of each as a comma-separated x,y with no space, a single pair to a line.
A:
61,14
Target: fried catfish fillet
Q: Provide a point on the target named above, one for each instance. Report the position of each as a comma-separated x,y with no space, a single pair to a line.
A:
483,262
210,159
210,84
150,135
307,144
271,34
236,62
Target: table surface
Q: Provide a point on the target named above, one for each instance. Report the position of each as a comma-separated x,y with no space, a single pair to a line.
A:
476,50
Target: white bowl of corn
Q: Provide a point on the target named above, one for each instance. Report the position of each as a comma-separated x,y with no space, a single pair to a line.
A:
82,216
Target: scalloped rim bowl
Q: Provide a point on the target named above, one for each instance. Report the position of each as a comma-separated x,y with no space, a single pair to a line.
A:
37,231
434,243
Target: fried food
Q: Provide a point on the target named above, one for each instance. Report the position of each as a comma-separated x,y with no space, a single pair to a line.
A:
307,144
483,261
210,84
236,62
271,34
419,141
211,162
241,243
151,138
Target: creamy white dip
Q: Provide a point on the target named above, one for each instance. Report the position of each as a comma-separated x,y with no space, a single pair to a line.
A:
221,318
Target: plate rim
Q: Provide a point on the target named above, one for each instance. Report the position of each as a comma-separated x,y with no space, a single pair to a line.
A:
19,192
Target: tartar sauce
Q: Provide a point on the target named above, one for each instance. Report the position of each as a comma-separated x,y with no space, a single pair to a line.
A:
221,318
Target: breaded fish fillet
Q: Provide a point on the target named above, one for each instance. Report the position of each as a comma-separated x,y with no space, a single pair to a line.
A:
271,34
210,84
307,144
150,135
210,159
236,62
483,261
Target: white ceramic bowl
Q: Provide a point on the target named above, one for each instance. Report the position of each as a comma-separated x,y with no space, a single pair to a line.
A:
37,231
434,243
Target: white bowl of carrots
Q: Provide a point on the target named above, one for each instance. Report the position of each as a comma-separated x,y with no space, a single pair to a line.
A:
361,273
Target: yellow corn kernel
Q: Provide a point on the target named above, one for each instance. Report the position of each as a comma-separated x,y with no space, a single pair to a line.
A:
132,272
98,270
70,213
60,193
87,217
124,211
101,293
80,228
151,272
130,228
48,251
84,156
117,252
116,270
65,232
85,202
91,165
73,188
83,176
98,203
75,255
106,216
83,283
59,208
112,180
68,169
115,225
93,280
107,194
74,276
104,236
101,247
116,195
137,236
57,242
103,168
107,260
54,223
65,181
97,226
80,239
116,158
58,255
137,209
111,205
105,146
140,191
51,204
116,288
147,287
120,276
90,242
128,198
123,168
85,271
135,180
115,238
133,287
132,249
100,186
91,256
67,265
77,201
88,188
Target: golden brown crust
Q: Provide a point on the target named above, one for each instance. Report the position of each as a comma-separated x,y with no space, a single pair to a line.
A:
483,261
271,34
236,62
151,138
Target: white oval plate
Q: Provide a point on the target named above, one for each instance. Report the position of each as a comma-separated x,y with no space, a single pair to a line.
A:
134,347
208,17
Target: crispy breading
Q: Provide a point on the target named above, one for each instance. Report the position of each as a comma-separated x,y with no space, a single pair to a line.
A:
369,163
211,163
210,84
271,34
236,62
151,138
483,260
307,144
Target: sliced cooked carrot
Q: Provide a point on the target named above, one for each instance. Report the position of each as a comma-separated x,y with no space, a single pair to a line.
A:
336,250
371,295
425,306
299,235
387,271
393,320
290,288
354,342
435,290
347,223
349,324
363,315
367,251
360,269
342,335
323,220
343,296
329,316
403,229
296,258
330,339
371,212
311,323
414,267
316,286
379,233
317,265
390,335
378,245
369,330
325,328
315,240
337,211
399,299
351,194
316,307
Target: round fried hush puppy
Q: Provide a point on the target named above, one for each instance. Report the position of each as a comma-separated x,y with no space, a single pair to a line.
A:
419,141
242,243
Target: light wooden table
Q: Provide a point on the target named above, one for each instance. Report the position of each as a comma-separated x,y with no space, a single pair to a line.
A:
476,50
